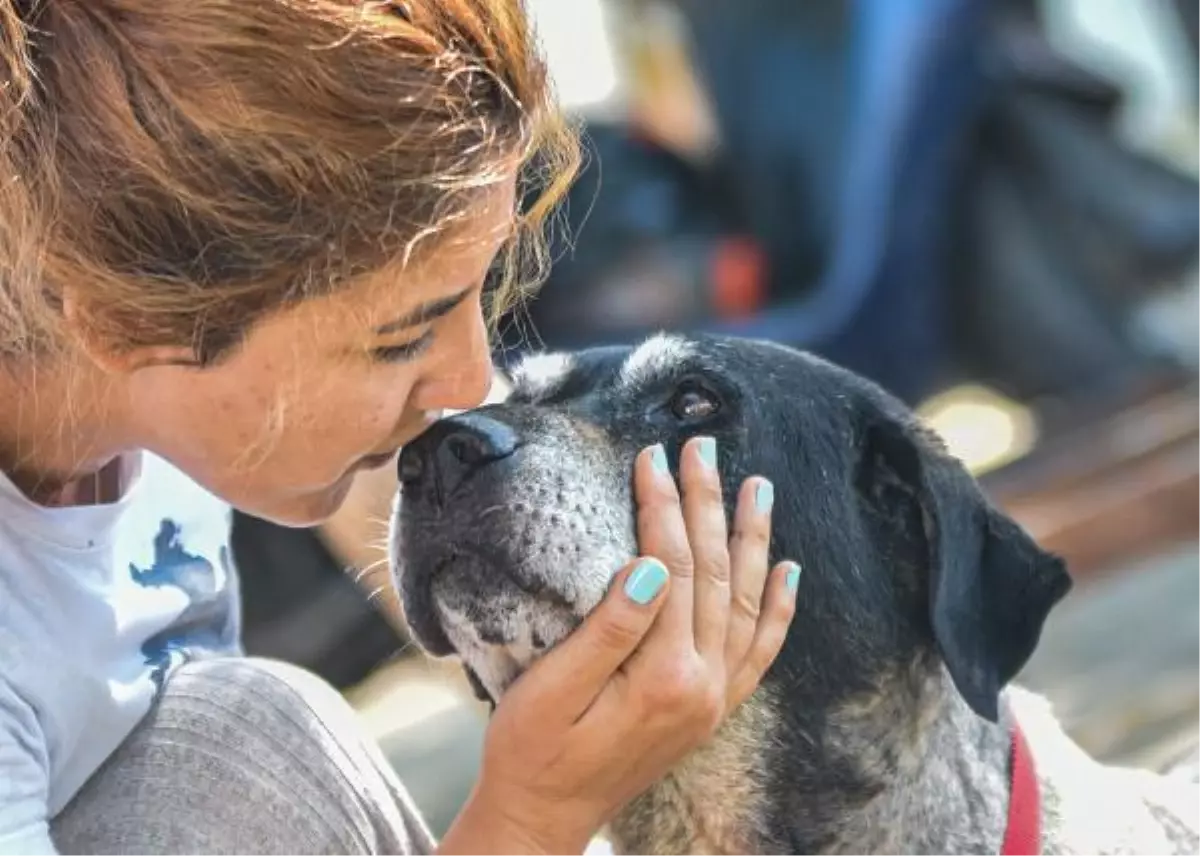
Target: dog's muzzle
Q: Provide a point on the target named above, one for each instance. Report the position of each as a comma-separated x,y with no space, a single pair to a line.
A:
433,469
511,522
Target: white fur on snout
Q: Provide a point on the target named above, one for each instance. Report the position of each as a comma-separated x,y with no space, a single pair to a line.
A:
657,356
539,375
498,665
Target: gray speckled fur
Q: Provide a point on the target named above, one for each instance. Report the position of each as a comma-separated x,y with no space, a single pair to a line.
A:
895,763
566,530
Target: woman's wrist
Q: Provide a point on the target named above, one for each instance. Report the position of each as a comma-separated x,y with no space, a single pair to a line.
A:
489,824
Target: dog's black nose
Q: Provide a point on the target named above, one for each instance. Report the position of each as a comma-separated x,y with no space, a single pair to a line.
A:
438,461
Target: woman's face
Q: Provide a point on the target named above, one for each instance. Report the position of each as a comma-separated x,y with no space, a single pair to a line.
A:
319,392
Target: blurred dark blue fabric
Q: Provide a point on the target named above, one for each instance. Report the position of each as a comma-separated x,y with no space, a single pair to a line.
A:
936,193
876,121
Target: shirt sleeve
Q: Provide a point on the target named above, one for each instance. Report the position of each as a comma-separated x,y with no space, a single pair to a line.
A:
24,778
33,841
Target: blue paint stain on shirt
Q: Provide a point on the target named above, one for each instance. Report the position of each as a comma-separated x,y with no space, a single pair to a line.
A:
206,623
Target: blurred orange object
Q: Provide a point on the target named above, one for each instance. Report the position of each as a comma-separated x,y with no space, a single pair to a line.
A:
739,270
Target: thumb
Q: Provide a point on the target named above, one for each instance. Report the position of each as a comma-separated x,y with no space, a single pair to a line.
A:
575,671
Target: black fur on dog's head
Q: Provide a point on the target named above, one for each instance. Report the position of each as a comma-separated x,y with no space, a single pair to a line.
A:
513,518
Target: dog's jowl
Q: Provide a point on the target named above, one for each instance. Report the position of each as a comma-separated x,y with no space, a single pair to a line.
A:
887,723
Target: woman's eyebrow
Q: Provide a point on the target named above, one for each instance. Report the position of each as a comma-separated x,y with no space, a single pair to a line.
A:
425,313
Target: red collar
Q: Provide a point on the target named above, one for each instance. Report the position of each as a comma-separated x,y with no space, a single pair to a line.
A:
1023,835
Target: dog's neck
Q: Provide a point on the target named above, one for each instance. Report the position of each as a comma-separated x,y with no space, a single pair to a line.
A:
936,779
897,774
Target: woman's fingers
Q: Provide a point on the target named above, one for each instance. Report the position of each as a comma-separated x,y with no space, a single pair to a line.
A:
619,702
568,678
663,534
775,616
704,516
699,622
748,555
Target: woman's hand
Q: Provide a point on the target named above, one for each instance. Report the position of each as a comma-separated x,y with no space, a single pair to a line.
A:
648,676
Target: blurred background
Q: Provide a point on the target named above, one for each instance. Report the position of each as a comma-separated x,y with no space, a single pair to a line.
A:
988,206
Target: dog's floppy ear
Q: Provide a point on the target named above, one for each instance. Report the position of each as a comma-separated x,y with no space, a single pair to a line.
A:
990,586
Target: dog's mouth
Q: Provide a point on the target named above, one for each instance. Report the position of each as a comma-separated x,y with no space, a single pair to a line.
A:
496,618
427,625
498,603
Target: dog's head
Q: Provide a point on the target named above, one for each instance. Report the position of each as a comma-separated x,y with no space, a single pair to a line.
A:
514,517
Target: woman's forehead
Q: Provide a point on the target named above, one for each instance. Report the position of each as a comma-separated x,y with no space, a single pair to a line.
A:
452,266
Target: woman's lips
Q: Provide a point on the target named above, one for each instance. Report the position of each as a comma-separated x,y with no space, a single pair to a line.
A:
374,462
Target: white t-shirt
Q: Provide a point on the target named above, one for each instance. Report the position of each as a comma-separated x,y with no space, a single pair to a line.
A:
97,605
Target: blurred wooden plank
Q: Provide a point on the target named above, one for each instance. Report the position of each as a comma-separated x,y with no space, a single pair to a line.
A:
1103,442
1122,488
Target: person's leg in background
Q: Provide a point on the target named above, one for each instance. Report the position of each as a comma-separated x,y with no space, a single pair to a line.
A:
244,755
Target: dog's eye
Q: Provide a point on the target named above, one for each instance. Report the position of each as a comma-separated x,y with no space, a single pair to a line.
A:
691,402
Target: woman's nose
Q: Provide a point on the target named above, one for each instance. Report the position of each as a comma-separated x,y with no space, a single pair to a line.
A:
465,388
464,375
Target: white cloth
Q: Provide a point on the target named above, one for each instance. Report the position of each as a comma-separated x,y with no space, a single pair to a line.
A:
97,605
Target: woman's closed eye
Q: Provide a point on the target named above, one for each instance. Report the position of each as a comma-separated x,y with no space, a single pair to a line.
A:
404,351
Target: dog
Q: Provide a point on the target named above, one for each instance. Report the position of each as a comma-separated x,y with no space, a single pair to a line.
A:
887,724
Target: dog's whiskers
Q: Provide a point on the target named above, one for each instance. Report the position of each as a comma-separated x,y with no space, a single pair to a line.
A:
375,592
491,509
370,569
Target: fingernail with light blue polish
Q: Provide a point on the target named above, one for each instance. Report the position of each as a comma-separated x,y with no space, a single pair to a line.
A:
764,496
646,581
658,459
708,451
793,577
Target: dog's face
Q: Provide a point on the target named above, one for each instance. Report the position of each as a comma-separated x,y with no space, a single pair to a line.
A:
513,518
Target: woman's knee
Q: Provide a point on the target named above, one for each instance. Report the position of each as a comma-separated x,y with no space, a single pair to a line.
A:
244,690
244,755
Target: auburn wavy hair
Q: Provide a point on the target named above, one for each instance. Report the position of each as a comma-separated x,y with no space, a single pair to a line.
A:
187,166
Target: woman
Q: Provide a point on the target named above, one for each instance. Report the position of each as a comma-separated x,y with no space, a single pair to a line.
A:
243,245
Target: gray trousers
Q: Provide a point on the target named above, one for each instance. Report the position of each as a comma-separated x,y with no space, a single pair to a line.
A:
244,756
